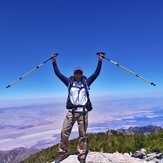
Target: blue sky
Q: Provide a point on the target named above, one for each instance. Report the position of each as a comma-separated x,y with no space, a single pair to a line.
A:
130,32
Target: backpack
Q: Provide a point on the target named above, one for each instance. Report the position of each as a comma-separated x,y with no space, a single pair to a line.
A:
88,104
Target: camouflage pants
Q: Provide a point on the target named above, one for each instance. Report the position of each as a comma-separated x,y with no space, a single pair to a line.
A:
68,123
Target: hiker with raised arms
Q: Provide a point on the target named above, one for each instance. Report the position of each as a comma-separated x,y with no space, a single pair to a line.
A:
78,105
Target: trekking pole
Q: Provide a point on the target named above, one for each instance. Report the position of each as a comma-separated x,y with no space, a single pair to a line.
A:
30,71
126,69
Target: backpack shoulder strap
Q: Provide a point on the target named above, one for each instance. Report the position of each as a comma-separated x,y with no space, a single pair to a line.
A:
70,83
84,81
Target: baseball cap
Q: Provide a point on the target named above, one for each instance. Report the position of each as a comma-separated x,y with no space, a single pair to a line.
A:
78,69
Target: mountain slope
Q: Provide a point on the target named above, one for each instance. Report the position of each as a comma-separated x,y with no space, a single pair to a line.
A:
16,155
108,142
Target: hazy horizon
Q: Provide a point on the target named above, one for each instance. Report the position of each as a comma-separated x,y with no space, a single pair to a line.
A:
34,124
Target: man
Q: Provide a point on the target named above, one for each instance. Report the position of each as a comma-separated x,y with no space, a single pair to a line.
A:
77,111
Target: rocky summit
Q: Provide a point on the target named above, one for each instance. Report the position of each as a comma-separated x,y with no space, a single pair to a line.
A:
48,155
100,157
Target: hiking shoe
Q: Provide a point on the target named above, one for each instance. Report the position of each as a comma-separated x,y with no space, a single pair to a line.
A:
82,158
60,158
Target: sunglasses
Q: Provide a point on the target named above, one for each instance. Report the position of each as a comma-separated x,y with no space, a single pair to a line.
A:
78,72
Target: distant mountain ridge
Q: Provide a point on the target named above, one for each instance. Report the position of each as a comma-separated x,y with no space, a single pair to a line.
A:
16,155
20,154
139,130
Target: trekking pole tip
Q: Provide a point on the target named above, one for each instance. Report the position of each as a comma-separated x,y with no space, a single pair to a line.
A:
153,84
8,86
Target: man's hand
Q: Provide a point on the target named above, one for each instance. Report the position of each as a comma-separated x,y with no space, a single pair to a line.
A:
54,56
101,56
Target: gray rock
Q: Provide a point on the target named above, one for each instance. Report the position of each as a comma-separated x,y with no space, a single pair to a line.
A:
99,157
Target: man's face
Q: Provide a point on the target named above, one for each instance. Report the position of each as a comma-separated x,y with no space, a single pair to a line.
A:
78,75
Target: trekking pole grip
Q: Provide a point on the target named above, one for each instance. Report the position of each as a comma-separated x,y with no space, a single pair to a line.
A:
100,53
54,54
